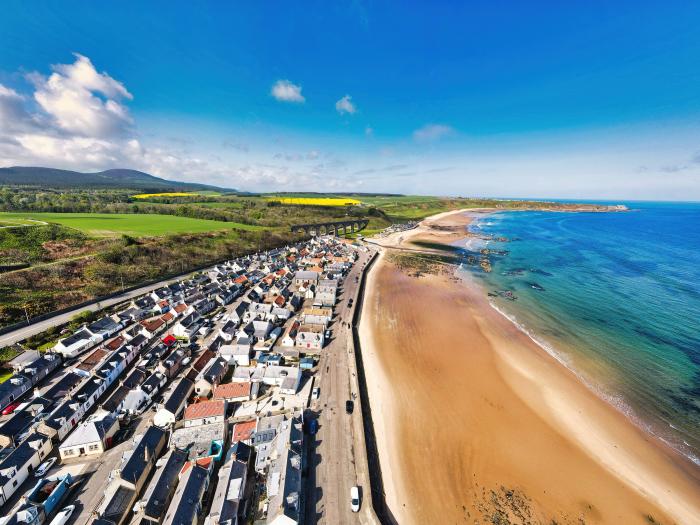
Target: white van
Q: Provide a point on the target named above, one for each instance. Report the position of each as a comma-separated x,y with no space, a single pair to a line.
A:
355,499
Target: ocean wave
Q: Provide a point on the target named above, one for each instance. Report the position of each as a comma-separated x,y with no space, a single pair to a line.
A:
615,400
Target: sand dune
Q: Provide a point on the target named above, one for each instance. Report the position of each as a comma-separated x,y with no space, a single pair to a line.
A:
480,425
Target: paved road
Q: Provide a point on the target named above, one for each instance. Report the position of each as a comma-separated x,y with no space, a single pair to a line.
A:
337,458
23,333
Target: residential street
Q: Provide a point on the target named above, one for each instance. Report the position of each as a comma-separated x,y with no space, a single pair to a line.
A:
23,333
337,456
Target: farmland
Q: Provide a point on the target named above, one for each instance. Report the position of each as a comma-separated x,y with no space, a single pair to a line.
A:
115,224
316,201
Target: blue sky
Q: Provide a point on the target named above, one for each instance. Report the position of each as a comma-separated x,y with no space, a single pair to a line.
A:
525,99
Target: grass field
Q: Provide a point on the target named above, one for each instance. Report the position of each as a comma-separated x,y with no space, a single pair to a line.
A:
142,225
316,201
9,223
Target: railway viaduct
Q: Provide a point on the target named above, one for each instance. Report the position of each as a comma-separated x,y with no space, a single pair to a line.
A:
331,228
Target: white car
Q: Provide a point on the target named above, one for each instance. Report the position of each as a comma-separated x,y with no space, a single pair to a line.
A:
355,499
63,516
315,393
42,469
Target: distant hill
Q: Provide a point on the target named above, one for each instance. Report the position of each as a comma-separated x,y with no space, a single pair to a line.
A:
109,179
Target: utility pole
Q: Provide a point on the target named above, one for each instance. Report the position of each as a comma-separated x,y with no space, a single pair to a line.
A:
26,314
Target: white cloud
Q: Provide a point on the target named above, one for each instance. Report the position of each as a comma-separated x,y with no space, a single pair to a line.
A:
285,91
432,132
82,101
369,131
345,105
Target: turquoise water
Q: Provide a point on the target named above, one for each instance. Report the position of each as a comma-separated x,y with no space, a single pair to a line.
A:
614,296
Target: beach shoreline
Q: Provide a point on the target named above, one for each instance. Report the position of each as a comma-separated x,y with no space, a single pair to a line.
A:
492,455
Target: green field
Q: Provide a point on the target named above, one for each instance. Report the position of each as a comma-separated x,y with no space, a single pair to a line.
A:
115,224
6,222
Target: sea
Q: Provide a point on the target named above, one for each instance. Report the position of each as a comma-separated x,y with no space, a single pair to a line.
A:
613,296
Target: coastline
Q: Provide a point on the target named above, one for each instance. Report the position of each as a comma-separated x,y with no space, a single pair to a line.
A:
479,422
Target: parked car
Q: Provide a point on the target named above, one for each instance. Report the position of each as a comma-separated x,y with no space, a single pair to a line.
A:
42,469
355,499
349,406
313,427
63,516
10,408
328,334
315,393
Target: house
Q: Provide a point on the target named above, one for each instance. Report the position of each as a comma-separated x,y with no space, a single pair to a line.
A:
259,329
310,337
24,359
233,392
211,377
320,316
290,334
139,464
284,483
120,495
228,331
229,504
287,378
188,326
152,327
204,413
239,312
20,424
243,431
91,437
236,354
104,328
160,490
304,278
16,466
13,388
76,344
186,505
174,404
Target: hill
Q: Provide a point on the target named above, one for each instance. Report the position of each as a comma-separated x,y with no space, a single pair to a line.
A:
109,179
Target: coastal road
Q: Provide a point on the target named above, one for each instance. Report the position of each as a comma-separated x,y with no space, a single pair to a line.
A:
22,333
337,457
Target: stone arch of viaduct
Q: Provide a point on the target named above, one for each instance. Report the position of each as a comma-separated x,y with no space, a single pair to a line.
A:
331,228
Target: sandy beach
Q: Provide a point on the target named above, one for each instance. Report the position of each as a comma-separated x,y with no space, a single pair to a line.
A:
480,425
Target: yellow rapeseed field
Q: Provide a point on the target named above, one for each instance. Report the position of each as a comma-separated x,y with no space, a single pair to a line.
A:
174,194
316,201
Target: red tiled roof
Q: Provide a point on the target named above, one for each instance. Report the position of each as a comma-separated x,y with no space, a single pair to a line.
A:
279,300
152,324
240,279
243,430
115,343
163,303
179,308
231,390
205,409
167,317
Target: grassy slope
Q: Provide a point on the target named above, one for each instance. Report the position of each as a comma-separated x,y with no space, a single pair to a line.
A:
109,225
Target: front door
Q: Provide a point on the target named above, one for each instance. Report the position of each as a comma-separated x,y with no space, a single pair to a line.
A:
81,451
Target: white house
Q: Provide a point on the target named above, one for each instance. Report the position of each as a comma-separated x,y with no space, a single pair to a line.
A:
91,437
240,355
310,337
16,467
288,378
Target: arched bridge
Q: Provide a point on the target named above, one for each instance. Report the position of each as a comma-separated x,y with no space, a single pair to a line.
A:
331,228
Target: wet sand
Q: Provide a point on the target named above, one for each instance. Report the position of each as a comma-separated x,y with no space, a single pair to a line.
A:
479,425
